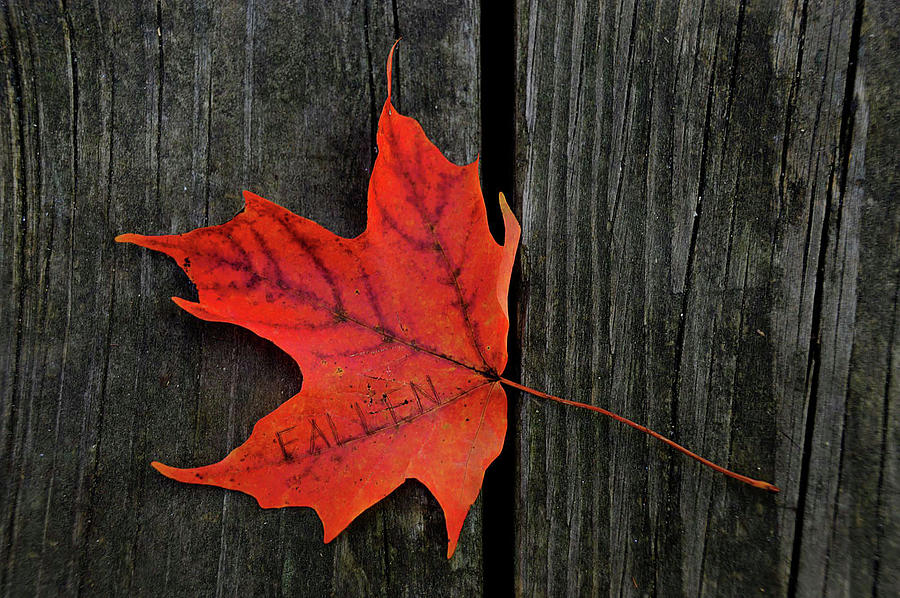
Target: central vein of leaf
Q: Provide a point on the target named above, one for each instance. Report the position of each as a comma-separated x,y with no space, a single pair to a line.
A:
394,337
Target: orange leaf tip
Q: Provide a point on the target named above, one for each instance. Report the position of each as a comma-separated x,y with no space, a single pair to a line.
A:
170,472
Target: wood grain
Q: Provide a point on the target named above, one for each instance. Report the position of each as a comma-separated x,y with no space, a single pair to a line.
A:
711,247
152,117
701,251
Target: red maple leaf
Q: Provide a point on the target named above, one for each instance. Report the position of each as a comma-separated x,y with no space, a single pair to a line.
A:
400,334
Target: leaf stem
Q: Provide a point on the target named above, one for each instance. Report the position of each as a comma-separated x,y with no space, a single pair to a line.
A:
755,483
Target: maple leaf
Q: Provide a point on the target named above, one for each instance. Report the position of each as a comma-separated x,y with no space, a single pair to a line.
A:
400,334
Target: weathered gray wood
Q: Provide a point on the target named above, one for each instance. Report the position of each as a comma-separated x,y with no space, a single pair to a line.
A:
707,251
152,117
865,535
711,247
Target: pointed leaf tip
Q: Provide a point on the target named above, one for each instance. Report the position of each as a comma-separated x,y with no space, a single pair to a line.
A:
197,309
189,476
513,229
169,472
390,68
451,548
251,198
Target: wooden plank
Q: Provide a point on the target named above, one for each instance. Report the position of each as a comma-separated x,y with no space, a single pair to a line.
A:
760,332
152,117
864,536
691,189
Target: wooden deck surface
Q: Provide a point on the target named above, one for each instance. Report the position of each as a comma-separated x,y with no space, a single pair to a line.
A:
711,247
